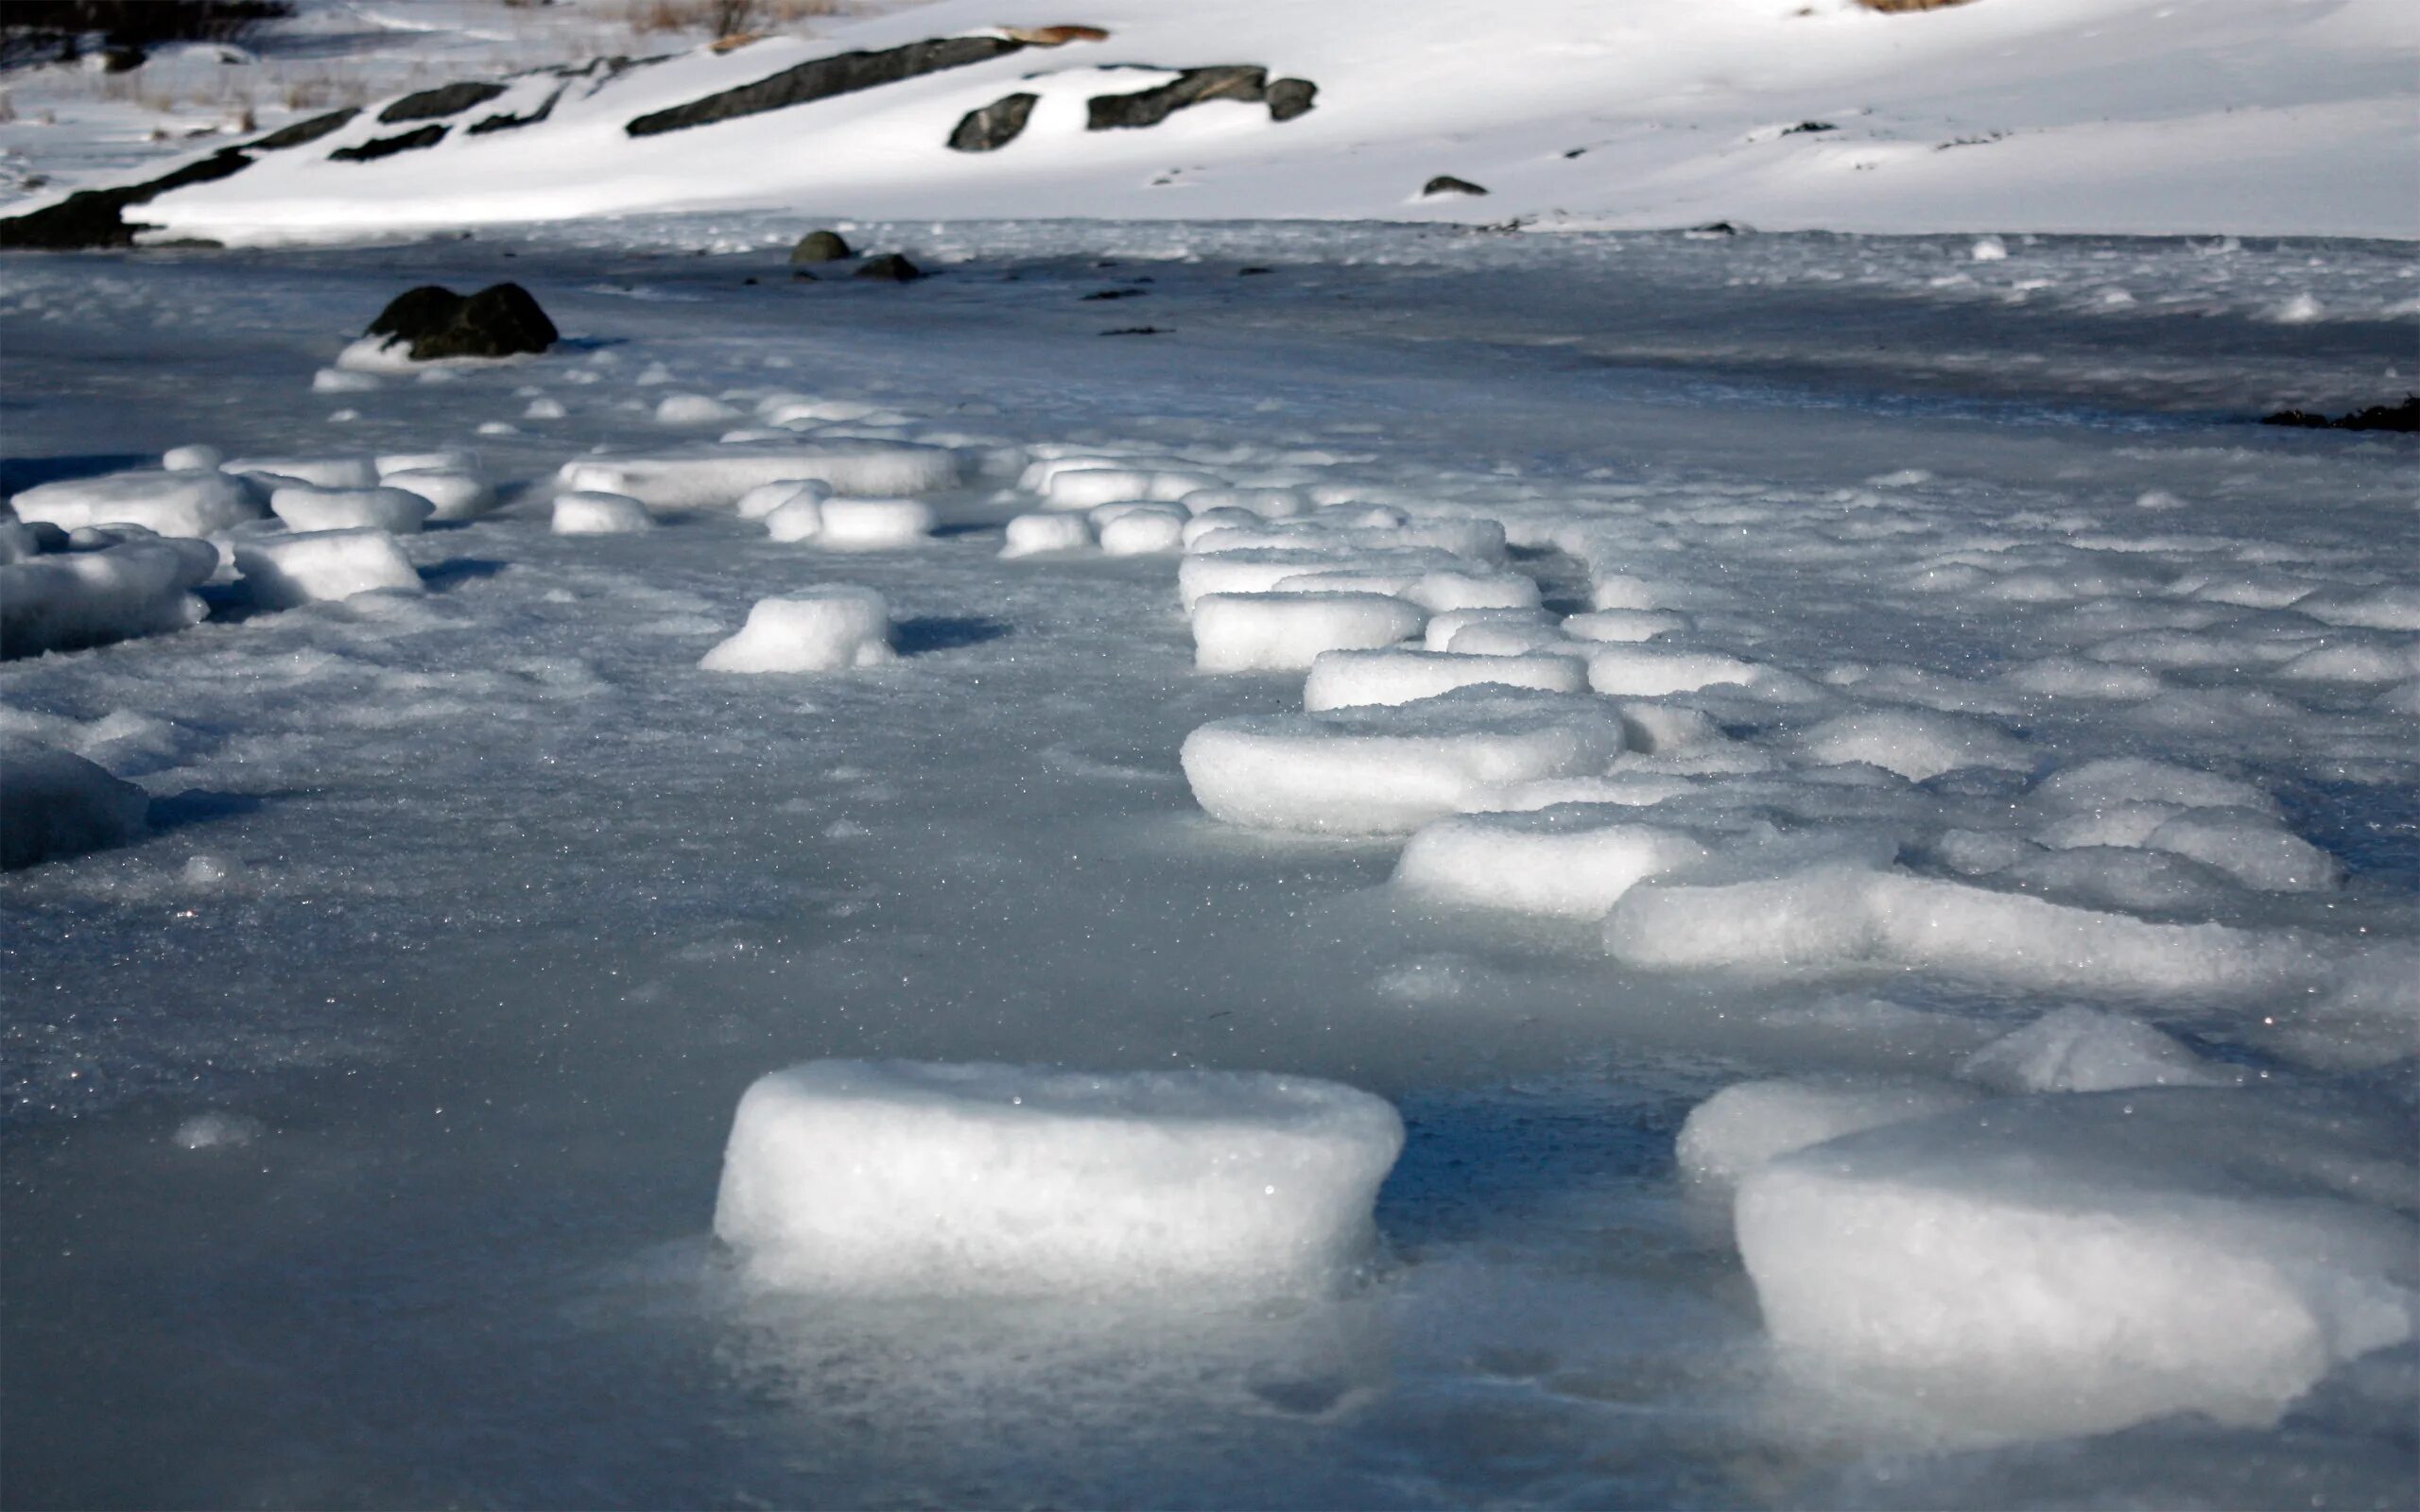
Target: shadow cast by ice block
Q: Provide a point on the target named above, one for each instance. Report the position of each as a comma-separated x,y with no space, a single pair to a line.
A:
944,632
18,474
196,806
447,574
946,532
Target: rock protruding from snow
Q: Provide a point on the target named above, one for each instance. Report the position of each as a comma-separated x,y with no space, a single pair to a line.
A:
824,79
599,514
54,803
820,246
990,128
61,593
895,1177
432,323
281,571
194,503
1389,771
2077,1262
820,630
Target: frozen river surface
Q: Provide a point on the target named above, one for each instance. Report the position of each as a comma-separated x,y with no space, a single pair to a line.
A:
363,1118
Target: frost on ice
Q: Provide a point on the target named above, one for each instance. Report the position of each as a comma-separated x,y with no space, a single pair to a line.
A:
893,1176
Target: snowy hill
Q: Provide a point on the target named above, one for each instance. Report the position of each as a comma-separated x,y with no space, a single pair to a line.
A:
2155,116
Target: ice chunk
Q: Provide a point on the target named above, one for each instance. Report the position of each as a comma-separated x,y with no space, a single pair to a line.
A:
1915,743
1389,771
135,584
343,381
1342,680
306,507
798,518
54,803
718,475
1259,632
875,525
817,629
2250,847
2085,1050
2077,1262
1568,861
1304,570
765,498
326,471
172,503
860,1177
1144,531
599,514
2098,784
452,493
194,459
1749,1125
443,459
1441,628
1637,672
281,571
693,409
1268,504
1081,488
1034,534
1624,625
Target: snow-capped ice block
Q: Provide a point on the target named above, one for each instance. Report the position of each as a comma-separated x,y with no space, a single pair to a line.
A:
817,629
1269,503
193,458
799,518
452,493
1344,679
765,498
875,525
2077,1262
1148,530
443,459
2249,846
1082,488
717,477
1915,743
141,584
693,409
1035,535
2085,1050
1568,861
306,506
172,503
54,803
1749,1125
281,571
1624,625
1263,632
1389,771
1441,628
1511,638
324,471
903,1177
1637,672
1243,571
599,514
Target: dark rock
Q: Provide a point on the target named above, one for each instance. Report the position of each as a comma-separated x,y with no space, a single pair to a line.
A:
500,321
90,217
1248,272
1137,331
446,99
1714,228
1808,128
121,60
2403,417
1225,81
823,77
889,266
302,132
513,122
1290,97
1115,294
820,246
1446,184
995,126
387,146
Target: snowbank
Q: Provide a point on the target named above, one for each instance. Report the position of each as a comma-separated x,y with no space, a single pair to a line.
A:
817,630
903,1177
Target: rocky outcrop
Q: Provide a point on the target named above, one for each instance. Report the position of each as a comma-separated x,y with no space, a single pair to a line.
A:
501,121
1223,81
91,218
2404,416
822,78
387,146
1446,184
499,321
820,246
435,104
302,134
1290,97
892,268
995,126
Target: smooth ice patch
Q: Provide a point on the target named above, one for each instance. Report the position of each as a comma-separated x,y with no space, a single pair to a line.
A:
859,1176
817,630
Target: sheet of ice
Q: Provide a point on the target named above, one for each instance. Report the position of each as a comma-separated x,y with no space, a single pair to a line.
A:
1387,771
2084,1261
824,628
1276,633
125,584
1342,680
892,1177
308,506
1749,1125
721,475
282,572
590,513
172,503
54,804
